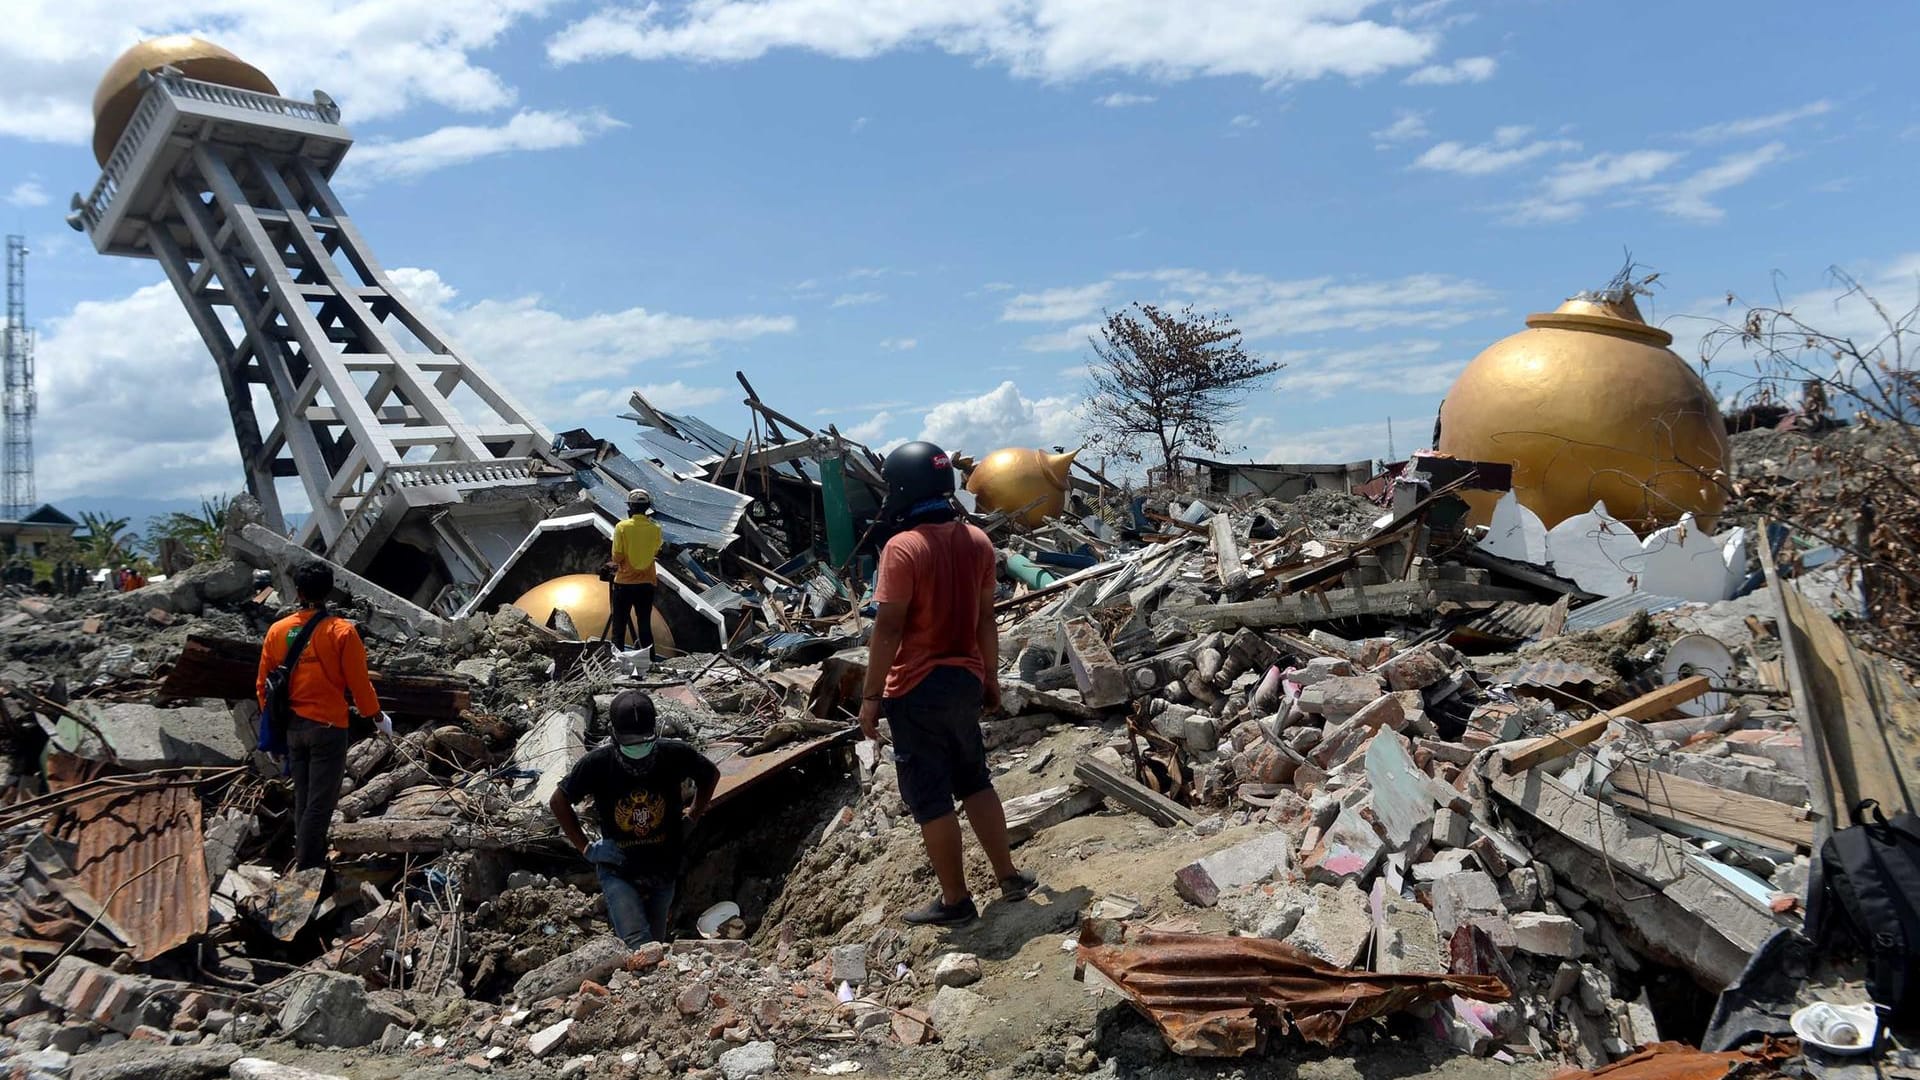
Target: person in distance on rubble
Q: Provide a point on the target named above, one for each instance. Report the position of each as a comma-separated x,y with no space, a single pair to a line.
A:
636,541
637,785
932,666
331,670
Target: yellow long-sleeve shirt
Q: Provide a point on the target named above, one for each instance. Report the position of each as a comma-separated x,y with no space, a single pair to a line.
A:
636,542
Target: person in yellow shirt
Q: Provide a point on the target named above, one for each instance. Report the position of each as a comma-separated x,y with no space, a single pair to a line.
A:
636,543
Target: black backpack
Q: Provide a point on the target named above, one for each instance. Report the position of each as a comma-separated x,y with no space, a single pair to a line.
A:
1865,892
276,719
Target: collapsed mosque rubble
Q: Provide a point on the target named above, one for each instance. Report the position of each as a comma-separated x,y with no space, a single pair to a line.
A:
1440,754
1372,776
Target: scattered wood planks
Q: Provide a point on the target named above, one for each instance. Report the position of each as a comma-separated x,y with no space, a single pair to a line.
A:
1646,706
217,667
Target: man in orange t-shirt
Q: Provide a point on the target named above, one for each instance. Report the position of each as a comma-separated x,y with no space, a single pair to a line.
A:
933,664
332,669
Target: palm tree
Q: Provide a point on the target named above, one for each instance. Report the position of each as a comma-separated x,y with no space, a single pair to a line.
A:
201,536
108,542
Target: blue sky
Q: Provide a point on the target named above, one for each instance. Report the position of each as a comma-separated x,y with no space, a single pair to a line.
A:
902,217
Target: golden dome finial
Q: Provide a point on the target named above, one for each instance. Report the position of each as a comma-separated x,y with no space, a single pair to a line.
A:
120,90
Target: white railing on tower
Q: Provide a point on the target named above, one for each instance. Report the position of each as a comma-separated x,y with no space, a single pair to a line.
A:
162,87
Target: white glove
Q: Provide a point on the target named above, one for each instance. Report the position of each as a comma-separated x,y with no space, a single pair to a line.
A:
383,724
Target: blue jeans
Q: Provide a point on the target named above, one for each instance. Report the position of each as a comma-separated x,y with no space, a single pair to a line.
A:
638,908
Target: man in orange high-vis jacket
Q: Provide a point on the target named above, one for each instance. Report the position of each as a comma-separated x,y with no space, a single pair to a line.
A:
331,670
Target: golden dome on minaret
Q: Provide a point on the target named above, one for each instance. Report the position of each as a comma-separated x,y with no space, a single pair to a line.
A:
119,92
1589,405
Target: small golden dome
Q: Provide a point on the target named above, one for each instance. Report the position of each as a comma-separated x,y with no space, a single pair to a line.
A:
1589,404
585,599
1011,478
119,91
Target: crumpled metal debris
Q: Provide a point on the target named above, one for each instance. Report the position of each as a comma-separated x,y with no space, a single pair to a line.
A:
1678,1061
1215,996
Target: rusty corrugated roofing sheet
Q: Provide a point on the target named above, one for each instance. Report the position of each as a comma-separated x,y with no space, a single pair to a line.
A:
1214,996
1678,1061
142,856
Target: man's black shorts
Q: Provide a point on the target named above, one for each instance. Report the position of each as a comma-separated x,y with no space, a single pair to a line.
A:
937,746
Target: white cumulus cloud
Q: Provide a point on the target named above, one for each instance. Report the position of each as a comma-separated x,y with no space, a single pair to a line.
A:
1002,417
529,129
1756,125
1263,308
1467,69
28,193
376,57
1122,100
1049,39
1505,152
1690,198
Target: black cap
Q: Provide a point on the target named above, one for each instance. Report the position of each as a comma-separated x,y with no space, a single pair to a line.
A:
633,717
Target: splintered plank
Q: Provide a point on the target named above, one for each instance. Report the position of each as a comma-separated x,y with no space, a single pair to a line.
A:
1132,794
1560,744
1860,720
1029,814
1705,807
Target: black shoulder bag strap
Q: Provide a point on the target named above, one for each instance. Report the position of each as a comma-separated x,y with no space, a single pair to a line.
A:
299,646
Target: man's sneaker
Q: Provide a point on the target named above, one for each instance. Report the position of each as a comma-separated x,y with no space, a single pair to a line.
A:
1017,887
941,913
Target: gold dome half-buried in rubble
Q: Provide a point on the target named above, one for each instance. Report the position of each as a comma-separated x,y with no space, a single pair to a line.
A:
1590,405
1011,478
585,599
120,90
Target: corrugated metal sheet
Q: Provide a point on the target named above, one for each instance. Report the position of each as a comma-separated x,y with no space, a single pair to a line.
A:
691,513
143,857
1212,995
1614,608
1557,673
1509,620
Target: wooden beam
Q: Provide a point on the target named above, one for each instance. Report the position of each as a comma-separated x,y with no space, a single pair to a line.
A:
422,836
1770,824
1132,794
1860,719
1029,814
1646,706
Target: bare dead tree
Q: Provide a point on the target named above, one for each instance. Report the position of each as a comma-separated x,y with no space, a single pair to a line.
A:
1167,380
1864,495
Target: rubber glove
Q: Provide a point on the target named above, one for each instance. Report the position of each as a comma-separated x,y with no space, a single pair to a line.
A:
383,724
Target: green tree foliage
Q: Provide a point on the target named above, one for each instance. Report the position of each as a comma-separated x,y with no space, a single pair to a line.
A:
107,543
201,535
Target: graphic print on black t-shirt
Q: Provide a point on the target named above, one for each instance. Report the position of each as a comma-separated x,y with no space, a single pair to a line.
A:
642,810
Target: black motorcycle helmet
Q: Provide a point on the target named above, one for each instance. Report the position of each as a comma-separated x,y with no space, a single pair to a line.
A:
917,473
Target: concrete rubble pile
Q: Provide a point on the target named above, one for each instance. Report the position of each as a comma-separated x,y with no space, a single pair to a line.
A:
1324,745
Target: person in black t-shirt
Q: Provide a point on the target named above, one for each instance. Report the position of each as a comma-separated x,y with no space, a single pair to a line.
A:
637,784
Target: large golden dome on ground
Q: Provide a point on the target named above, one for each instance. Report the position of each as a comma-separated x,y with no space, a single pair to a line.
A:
1009,479
1589,404
120,90
585,599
